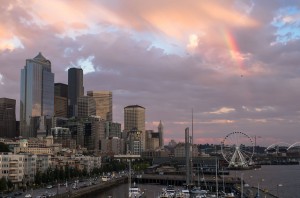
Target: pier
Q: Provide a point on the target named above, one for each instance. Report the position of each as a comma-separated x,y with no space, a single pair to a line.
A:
181,179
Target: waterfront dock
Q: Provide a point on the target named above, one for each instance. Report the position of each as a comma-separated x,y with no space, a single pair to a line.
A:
178,180
252,192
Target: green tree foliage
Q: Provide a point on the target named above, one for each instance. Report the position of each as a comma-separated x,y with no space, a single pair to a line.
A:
3,184
10,185
60,174
140,166
38,178
4,147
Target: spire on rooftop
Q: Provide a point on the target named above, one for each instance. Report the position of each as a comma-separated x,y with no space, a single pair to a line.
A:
40,57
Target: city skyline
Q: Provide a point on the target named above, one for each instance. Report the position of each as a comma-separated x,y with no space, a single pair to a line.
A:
235,63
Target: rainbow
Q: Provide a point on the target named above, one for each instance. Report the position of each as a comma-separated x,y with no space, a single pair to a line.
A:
234,50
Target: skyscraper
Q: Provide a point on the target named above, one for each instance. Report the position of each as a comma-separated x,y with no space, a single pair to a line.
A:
103,101
7,117
60,100
61,89
75,89
37,94
134,120
161,134
86,106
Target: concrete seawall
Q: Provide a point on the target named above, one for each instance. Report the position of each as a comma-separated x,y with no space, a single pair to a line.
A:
93,189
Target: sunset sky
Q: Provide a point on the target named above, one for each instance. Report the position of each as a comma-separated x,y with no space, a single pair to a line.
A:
235,63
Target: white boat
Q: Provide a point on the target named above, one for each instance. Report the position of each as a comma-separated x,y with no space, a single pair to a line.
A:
135,192
181,194
163,194
185,193
228,195
170,190
198,191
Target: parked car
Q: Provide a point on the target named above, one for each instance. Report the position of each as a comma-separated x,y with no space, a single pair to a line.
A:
105,178
18,193
49,186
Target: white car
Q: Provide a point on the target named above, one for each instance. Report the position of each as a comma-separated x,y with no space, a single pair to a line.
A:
105,178
49,186
28,196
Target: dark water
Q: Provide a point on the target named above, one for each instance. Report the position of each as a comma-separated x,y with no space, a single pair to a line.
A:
121,191
284,180
267,177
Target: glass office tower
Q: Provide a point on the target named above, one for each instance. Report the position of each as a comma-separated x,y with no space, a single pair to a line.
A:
37,95
103,101
7,118
75,89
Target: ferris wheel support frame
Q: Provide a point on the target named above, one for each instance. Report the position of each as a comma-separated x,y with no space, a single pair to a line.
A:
239,158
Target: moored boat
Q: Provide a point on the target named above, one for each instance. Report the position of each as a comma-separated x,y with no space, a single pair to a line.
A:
170,190
135,192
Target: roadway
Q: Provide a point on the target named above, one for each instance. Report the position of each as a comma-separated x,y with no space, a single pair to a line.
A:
52,191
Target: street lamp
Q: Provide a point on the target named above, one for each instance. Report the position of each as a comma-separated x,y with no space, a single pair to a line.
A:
242,184
278,185
258,186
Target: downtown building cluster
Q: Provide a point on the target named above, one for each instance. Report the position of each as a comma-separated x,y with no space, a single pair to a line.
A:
73,123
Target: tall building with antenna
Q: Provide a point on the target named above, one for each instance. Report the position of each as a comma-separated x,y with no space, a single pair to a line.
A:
161,134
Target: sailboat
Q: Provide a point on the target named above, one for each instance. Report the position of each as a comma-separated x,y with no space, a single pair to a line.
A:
134,191
196,190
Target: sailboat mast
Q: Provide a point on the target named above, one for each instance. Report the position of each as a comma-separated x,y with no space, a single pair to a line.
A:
217,187
192,142
187,155
129,174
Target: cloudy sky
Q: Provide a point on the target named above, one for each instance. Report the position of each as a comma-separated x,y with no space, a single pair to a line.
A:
235,63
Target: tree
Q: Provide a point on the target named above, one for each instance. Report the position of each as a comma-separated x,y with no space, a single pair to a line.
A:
61,174
4,147
67,172
38,179
3,184
10,185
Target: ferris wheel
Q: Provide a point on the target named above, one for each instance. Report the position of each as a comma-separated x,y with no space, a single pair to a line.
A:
237,149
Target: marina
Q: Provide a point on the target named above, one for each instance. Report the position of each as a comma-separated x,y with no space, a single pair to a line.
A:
268,177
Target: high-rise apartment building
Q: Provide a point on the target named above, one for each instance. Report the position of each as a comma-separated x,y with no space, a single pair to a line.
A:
60,100
134,120
103,101
7,118
75,89
37,94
